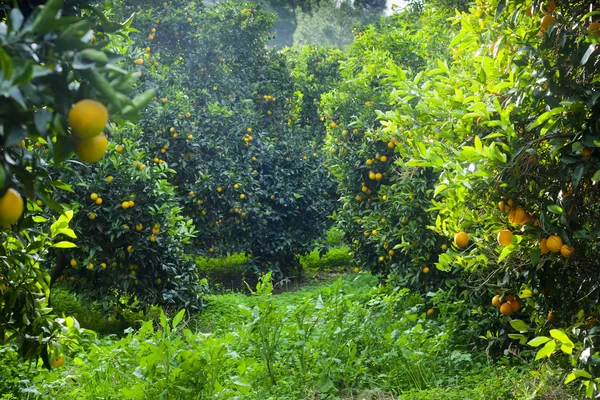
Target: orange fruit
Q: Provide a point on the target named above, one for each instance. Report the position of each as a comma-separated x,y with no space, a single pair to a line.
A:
461,239
502,206
517,215
430,312
57,363
504,237
125,204
506,309
514,305
383,159
550,7
426,270
594,28
544,246
566,251
511,203
496,301
357,270
91,150
551,317
378,176
87,118
586,152
98,200
93,196
381,258
554,243
546,22
11,207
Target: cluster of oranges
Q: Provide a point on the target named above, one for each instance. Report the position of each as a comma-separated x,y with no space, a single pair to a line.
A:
87,119
507,305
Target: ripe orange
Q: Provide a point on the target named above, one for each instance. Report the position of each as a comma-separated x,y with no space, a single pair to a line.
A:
566,251
381,258
546,22
554,243
461,239
383,159
514,305
496,301
551,317
91,150
98,201
87,118
357,270
594,28
378,176
506,309
139,227
430,312
504,237
550,7
11,207
391,252
586,152
544,246
131,203
426,270
503,207
57,363
93,196
125,204
517,216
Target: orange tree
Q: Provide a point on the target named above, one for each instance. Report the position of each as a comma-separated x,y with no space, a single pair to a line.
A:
227,120
51,57
385,203
507,123
131,236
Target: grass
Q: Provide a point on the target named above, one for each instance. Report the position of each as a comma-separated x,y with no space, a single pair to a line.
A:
342,337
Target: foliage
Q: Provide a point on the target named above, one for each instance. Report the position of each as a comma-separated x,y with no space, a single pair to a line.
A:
342,338
498,133
133,254
226,121
39,86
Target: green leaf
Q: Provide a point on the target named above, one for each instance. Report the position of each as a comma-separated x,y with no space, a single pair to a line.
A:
556,209
596,177
535,256
62,186
578,373
64,245
519,325
546,351
560,336
578,173
538,341
177,318
46,18
41,119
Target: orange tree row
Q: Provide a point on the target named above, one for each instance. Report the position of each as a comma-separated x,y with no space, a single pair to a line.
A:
230,119
59,88
475,170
